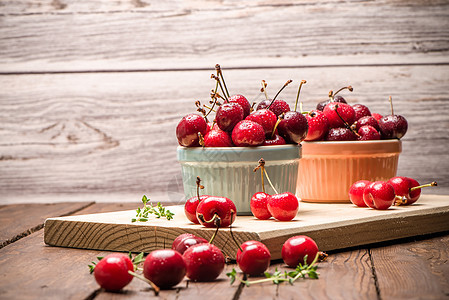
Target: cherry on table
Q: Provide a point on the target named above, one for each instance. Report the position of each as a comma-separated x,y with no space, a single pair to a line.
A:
188,128
228,115
111,272
379,195
216,208
296,248
258,205
185,241
243,102
318,125
248,134
253,258
356,192
165,268
204,262
283,207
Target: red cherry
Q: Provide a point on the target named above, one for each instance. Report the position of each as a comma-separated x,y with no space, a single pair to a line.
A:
190,208
296,248
356,192
320,106
274,140
278,106
211,206
165,268
254,259
379,195
243,102
228,115
259,207
293,127
393,126
346,112
264,117
248,134
111,272
340,134
188,128
204,262
406,187
217,138
361,111
318,125
283,207
367,120
368,133
186,240
377,116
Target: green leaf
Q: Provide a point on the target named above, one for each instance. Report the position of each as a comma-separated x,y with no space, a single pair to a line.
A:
100,258
91,268
232,275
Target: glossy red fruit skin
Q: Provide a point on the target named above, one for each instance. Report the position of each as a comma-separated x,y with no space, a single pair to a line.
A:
367,120
368,133
356,192
294,127
228,114
185,241
254,259
321,105
190,208
402,186
340,134
264,117
283,207
165,268
296,248
188,128
361,111
377,116
243,102
221,206
248,134
318,125
217,138
204,262
393,126
379,195
346,112
273,141
111,272
278,107
415,194
258,204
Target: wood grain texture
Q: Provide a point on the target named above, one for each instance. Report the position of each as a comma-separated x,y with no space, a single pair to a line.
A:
332,226
416,269
20,220
66,35
114,133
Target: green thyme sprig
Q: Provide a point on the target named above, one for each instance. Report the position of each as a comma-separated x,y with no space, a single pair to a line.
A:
158,211
301,271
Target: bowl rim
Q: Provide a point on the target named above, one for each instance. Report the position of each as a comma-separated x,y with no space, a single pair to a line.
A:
341,148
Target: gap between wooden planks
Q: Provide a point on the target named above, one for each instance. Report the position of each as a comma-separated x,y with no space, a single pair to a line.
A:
332,226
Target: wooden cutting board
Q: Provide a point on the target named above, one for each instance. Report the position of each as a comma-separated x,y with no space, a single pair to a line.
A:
332,226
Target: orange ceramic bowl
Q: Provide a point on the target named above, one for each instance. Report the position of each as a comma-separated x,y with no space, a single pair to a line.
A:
328,169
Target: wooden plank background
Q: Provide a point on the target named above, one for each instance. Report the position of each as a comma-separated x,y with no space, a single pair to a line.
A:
91,91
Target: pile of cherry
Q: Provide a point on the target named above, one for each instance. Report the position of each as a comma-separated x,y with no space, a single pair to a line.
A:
236,123
199,260
383,194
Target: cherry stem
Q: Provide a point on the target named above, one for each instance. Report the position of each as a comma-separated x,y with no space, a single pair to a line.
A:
221,87
201,139
391,105
299,90
198,187
343,88
283,87
214,97
220,74
280,118
424,185
263,170
331,95
209,108
344,122
264,89
232,235
155,287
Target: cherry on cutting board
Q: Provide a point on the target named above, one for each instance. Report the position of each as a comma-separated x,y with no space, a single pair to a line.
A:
296,248
192,203
165,268
408,189
379,195
258,204
356,192
283,207
185,241
188,128
215,210
253,258
204,262
111,272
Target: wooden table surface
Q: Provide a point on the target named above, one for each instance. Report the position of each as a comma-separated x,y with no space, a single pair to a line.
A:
91,92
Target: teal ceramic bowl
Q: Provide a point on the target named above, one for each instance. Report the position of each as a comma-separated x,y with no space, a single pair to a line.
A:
229,171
